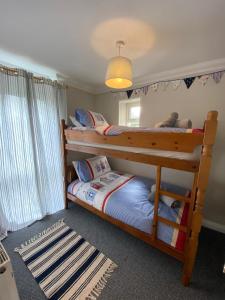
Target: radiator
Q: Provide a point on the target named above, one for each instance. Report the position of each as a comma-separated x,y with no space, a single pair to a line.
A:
8,289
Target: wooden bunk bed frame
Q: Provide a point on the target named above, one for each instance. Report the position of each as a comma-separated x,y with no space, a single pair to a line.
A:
181,142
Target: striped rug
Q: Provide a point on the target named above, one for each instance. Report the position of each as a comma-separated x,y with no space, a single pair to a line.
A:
65,265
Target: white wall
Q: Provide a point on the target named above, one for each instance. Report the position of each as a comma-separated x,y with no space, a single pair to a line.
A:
78,99
193,103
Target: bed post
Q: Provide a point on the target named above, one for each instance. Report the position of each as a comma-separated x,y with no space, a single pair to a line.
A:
64,154
202,181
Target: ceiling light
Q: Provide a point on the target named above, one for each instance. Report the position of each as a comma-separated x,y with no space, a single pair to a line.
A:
119,71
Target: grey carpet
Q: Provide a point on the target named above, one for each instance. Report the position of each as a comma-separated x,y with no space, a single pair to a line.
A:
143,273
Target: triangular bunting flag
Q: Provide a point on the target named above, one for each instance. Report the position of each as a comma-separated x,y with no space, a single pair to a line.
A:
165,85
175,84
145,90
137,92
203,79
217,76
189,81
129,93
154,87
118,96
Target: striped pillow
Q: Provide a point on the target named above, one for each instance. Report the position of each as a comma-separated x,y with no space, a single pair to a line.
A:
90,118
91,168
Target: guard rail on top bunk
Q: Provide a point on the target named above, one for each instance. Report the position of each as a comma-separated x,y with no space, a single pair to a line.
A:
169,141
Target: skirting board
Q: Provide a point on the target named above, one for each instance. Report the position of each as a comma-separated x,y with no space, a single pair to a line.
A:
214,226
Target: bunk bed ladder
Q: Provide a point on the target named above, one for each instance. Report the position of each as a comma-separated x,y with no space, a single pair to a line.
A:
189,199
178,197
156,203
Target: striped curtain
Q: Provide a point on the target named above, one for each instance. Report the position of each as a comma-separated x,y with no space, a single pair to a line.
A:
30,155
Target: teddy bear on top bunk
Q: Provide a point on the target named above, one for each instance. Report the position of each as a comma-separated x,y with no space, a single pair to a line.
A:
173,121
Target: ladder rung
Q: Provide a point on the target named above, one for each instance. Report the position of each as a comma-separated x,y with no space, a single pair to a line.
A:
172,224
175,196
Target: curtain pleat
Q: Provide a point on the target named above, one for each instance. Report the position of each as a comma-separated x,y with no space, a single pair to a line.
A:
30,155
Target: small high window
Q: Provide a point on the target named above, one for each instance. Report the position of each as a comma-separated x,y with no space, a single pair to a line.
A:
129,112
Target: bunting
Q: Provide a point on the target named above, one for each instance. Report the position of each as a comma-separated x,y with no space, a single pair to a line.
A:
189,81
154,86
165,85
203,79
129,93
217,76
175,84
145,89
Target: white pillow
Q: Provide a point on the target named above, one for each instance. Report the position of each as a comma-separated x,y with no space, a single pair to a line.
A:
98,119
75,122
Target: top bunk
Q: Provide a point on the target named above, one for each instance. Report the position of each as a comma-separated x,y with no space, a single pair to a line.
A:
167,147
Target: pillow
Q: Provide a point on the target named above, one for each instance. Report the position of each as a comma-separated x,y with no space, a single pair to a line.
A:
89,118
75,122
91,168
171,202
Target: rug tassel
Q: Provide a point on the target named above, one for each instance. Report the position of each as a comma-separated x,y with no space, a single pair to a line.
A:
102,282
37,236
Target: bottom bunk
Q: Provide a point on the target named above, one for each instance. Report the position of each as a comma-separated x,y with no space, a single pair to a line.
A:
128,201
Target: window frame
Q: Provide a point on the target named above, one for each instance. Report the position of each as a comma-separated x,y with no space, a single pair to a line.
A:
124,111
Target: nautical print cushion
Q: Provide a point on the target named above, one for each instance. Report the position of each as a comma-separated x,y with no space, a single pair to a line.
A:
91,168
89,118
173,203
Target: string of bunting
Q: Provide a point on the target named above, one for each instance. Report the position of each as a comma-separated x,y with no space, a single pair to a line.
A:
175,84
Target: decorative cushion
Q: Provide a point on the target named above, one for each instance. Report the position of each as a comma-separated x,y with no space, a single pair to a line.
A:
75,122
89,118
171,202
91,168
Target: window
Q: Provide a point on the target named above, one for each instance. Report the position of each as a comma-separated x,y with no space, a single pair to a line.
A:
129,112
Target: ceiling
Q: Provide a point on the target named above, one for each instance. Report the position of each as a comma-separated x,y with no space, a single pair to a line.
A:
76,38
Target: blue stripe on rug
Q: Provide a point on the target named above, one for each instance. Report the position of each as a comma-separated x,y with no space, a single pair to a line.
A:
43,240
50,245
73,262
42,262
59,261
74,277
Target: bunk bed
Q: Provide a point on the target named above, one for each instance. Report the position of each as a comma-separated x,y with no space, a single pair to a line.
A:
155,148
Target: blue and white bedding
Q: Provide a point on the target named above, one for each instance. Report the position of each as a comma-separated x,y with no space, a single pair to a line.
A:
125,197
117,130
90,120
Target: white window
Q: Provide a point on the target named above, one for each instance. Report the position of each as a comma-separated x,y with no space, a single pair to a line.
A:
129,112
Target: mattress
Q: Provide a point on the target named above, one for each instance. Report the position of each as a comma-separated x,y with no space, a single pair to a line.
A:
125,197
195,155
113,130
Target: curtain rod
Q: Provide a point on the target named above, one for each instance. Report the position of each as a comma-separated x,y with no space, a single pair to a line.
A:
22,72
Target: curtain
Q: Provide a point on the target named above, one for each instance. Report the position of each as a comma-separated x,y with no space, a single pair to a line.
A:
31,183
